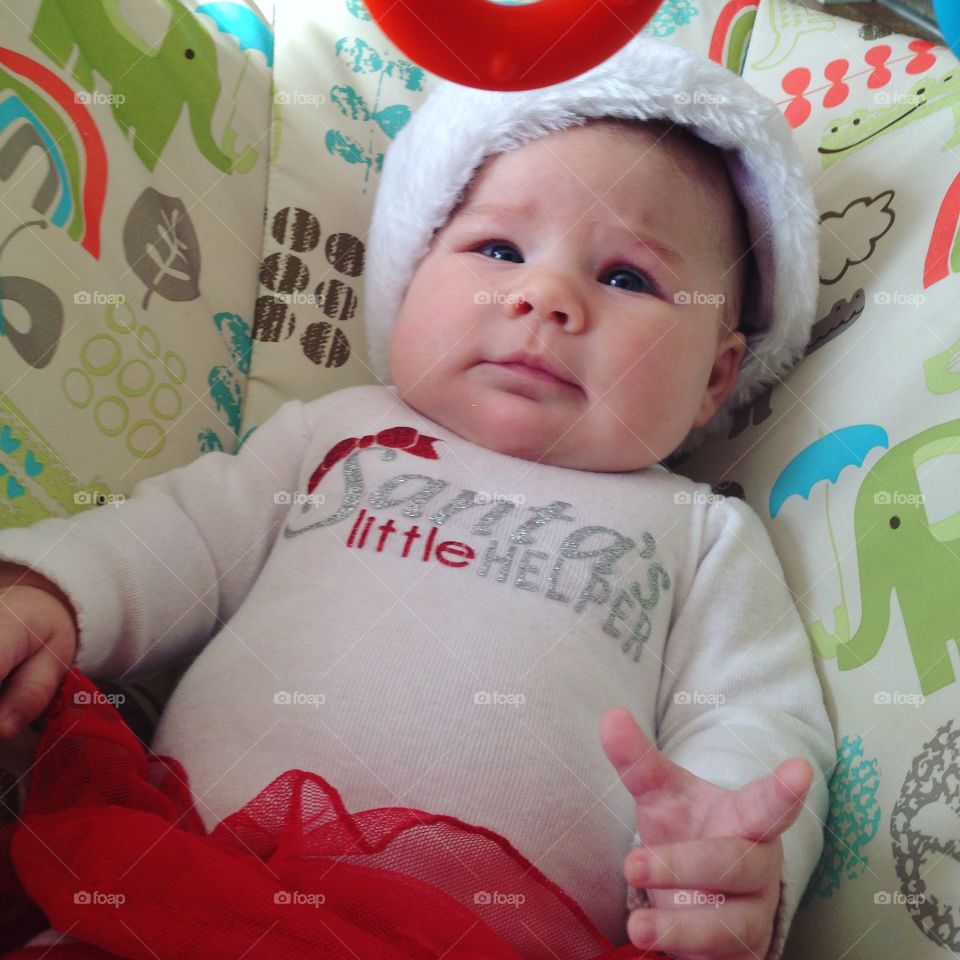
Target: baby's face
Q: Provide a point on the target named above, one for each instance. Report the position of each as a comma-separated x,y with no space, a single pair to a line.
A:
560,251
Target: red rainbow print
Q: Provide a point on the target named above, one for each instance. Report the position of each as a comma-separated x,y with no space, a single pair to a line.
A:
943,254
46,116
731,34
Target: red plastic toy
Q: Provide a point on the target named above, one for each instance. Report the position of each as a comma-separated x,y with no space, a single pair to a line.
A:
493,46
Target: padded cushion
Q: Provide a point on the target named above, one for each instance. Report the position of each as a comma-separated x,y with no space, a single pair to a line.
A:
852,463
134,145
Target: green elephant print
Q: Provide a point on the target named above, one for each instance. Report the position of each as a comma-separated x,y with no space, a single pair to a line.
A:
901,548
149,86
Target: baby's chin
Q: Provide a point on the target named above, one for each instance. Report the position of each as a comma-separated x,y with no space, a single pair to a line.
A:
527,429
525,440
512,426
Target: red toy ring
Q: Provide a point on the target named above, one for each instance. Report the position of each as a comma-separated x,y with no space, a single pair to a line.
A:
480,43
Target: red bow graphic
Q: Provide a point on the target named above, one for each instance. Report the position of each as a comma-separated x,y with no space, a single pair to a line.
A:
400,438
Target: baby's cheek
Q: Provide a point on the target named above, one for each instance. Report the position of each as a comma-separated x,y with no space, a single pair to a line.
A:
408,348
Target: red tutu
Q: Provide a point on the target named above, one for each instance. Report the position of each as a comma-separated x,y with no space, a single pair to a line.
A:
110,850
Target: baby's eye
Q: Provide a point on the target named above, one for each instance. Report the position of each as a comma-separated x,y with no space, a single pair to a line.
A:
496,245
631,280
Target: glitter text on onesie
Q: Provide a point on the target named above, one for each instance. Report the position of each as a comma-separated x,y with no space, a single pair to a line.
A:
586,556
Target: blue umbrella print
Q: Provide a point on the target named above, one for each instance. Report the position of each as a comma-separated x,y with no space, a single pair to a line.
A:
241,22
824,459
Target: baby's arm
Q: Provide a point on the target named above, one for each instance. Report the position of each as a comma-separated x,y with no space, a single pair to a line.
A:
151,578
739,693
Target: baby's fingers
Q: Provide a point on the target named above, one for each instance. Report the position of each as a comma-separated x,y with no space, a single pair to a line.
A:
768,806
728,864
738,928
28,690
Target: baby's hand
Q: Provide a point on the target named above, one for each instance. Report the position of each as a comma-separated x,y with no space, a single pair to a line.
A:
38,641
712,857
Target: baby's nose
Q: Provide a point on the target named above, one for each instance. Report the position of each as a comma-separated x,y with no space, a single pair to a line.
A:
550,300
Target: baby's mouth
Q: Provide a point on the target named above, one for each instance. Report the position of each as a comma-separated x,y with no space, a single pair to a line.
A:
530,377
530,368
522,368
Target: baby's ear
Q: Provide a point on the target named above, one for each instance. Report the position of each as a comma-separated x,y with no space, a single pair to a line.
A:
723,375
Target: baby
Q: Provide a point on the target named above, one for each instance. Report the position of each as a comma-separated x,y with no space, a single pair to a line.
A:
443,592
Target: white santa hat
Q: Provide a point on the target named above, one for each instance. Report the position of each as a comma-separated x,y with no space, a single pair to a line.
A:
434,157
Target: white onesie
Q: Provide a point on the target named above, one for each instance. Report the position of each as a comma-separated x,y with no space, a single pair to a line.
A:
427,623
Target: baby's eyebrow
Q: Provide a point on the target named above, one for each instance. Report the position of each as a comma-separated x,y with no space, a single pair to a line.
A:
482,209
647,241
659,249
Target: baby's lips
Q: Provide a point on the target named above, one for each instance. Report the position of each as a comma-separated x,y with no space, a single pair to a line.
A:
533,373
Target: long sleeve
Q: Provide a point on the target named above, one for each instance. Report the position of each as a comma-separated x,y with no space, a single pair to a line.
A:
739,692
151,577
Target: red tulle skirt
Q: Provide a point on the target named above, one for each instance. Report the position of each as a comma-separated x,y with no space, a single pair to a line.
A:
110,850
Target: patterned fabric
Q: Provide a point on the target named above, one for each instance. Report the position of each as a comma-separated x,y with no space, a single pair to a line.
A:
852,465
134,148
